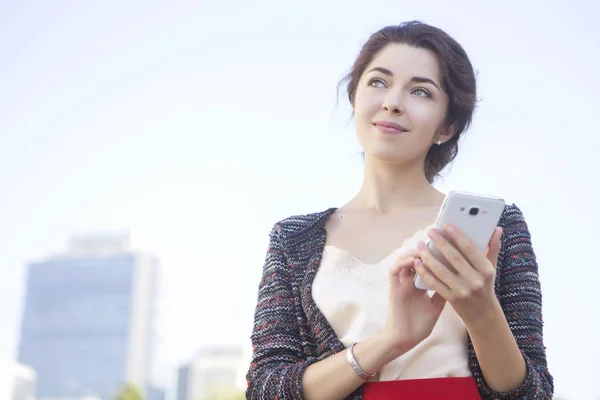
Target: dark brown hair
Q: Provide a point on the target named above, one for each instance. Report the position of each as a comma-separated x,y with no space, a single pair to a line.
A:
457,79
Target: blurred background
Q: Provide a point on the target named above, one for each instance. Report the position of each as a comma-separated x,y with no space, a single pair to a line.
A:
147,148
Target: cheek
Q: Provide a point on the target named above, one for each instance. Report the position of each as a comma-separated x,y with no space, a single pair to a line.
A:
429,119
364,114
361,117
365,109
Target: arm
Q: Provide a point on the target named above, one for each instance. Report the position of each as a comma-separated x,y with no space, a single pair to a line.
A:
277,362
333,378
497,352
279,369
520,297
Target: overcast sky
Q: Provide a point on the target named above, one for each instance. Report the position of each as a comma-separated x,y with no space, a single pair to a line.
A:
197,125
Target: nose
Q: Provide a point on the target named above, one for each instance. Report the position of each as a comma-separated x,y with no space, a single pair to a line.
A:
392,104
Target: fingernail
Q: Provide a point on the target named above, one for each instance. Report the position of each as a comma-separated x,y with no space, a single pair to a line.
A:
449,228
434,233
421,245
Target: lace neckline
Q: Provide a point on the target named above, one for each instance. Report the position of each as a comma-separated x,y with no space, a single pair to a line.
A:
411,240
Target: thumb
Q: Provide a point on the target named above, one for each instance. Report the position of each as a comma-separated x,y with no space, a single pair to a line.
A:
493,249
438,303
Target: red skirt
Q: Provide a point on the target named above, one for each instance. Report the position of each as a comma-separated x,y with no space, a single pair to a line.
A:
423,389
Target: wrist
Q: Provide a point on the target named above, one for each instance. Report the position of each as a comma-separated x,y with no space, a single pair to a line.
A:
488,319
377,351
389,348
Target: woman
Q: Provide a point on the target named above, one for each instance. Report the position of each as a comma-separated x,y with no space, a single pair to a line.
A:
338,315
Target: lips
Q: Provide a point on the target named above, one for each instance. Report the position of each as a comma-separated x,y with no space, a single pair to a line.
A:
390,127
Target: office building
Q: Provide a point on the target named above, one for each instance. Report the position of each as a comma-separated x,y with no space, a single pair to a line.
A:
88,323
213,370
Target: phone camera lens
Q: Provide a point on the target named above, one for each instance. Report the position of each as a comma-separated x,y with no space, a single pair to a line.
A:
474,211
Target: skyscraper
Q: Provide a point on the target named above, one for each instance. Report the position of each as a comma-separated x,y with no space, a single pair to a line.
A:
88,323
211,371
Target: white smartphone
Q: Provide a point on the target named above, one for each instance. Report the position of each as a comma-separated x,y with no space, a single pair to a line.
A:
476,215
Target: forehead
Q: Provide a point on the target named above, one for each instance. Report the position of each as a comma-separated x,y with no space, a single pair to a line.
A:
407,61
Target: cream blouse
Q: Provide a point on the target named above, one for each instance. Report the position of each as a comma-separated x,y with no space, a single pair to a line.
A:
353,297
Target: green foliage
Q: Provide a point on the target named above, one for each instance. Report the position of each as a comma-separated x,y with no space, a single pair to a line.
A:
129,392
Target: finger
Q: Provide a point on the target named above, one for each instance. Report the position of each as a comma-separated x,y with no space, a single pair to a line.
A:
493,249
438,302
431,281
440,271
406,274
397,269
454,256
410,253
436,306
407,256
400,264
471,253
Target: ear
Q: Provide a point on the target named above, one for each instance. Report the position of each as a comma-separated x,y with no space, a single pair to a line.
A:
447,133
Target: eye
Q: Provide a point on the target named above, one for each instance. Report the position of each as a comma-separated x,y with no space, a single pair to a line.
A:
421,92
377,82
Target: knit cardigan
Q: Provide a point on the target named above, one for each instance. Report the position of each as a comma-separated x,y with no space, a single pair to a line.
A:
290,333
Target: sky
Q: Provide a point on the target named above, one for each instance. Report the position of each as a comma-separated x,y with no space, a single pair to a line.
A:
197,125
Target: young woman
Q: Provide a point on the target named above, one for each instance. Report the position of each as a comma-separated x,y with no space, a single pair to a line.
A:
338,315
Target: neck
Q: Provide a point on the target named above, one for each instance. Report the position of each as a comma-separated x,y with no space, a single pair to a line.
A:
389,187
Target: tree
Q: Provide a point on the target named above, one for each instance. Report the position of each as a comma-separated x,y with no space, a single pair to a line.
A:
129,391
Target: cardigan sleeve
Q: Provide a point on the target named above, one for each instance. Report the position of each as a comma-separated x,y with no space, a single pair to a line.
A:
520,296
277,362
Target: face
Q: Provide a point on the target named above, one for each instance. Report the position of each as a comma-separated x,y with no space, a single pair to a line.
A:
400,108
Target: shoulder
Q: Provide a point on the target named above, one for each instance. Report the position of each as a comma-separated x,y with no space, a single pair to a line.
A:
513,225
517,246
511,216
515,231
296,227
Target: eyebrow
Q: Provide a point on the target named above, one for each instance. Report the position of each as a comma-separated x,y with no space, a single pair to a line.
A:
418,79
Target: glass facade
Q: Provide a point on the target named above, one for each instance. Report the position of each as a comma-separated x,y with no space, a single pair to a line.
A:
76,324
183,381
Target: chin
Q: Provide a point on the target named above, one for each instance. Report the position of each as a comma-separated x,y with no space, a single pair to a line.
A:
388,155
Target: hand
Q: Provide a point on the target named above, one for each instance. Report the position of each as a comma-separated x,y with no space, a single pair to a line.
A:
412,313
470,287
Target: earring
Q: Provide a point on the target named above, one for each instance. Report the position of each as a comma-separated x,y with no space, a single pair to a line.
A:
439,142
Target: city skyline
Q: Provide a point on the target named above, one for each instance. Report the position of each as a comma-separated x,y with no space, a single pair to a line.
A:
117,117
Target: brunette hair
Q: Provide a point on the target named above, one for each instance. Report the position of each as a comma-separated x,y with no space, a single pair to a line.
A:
457,79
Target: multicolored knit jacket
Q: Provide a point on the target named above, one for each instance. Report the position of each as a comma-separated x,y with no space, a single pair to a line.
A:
290,333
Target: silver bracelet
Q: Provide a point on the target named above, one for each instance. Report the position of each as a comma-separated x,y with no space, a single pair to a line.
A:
359,371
